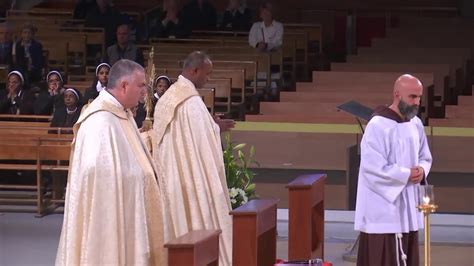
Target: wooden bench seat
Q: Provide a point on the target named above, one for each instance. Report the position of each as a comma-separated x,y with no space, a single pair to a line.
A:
42,154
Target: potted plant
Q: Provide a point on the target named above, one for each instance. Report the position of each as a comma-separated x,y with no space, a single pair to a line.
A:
238,174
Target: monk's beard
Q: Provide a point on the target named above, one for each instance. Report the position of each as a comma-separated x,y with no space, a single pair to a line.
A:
408,111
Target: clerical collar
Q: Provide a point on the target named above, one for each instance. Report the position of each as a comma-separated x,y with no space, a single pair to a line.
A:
69,112
99,86
386,112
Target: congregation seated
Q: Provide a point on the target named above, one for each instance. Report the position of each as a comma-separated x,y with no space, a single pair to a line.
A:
236,17
124,48
169,24
68,114
16,99
100,82
51,98
266,35
27,54
199,15
6,45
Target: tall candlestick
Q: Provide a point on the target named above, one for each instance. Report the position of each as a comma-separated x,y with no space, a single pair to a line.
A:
427,206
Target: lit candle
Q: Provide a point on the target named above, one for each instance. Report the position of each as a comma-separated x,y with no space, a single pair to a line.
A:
426,200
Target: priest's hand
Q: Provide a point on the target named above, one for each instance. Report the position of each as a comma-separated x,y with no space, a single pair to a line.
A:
224,124
417,174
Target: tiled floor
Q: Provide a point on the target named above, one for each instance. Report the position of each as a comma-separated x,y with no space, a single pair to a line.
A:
25,240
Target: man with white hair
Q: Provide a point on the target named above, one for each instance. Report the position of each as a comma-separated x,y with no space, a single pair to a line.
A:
395,159
113,212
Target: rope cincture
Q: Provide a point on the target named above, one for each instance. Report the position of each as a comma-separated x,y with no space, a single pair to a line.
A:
399,249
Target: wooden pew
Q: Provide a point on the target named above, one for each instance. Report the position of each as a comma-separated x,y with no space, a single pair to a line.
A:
315,35
237,86
254,233
222,93
32,155
306,217
81,86
51,154
196,248
26,118
208,97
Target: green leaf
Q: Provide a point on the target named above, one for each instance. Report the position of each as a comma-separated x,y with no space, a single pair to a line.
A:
239,146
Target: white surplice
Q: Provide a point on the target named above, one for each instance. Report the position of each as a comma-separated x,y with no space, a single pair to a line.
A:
113,210
386,199
187,146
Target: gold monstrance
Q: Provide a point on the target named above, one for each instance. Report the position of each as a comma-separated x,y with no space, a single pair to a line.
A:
150,77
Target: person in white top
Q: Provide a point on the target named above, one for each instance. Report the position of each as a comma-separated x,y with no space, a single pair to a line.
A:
266,35
395,159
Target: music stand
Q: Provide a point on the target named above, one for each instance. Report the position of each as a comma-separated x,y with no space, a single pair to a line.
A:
360,112
357,110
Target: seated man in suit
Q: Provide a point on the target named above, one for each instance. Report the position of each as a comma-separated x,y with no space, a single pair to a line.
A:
124,48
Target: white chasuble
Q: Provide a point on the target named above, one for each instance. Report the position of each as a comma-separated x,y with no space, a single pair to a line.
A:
113,210
187,147
386,199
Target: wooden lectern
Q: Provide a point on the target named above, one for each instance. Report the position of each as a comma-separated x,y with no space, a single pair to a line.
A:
306,217
196,248
254,233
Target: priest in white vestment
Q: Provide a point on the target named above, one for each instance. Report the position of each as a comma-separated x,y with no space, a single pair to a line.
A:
187,146
395,158
113,212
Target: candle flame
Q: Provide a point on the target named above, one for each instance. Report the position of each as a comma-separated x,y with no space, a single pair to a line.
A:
426,200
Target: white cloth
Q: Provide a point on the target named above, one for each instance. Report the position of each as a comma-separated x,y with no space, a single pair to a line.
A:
99,86
113,213
272,35
187,145
386,199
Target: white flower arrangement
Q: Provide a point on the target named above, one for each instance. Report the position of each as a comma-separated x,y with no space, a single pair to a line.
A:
237,196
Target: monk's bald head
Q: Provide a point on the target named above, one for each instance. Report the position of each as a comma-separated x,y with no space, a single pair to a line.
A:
406,83
407,93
